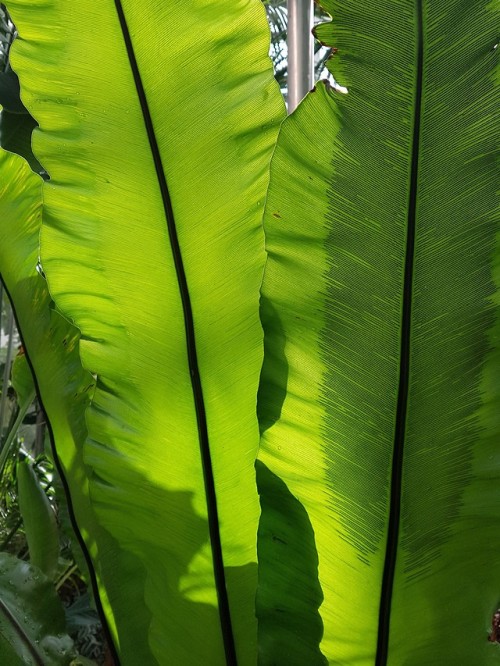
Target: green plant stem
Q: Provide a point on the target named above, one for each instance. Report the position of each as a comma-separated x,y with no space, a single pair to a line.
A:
4,453
73,568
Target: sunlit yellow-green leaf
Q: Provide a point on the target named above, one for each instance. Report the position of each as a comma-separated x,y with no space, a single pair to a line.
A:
157,124
51,343
380,396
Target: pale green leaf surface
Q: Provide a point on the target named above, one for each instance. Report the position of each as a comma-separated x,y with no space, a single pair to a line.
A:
109,262
51,344
344,192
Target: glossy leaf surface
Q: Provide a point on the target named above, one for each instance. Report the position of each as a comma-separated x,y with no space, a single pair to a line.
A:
380,393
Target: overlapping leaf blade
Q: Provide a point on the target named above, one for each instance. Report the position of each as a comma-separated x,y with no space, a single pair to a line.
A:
380,390
158,150
51,343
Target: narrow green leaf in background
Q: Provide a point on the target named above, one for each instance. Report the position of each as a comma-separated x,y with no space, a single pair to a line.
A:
22,380
39,520
51,344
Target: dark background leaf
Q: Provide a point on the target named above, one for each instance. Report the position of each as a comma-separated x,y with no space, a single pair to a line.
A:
32,619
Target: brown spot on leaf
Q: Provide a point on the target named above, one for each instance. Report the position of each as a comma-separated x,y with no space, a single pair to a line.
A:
277,215
494,637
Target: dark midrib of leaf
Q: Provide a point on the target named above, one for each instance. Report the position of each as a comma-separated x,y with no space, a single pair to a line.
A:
404,368
201,418
21,633
69,501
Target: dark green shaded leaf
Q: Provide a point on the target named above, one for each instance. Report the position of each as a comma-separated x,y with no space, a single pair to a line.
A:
15,136
10,93
32,621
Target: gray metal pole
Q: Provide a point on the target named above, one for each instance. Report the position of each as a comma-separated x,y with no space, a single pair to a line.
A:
300,51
